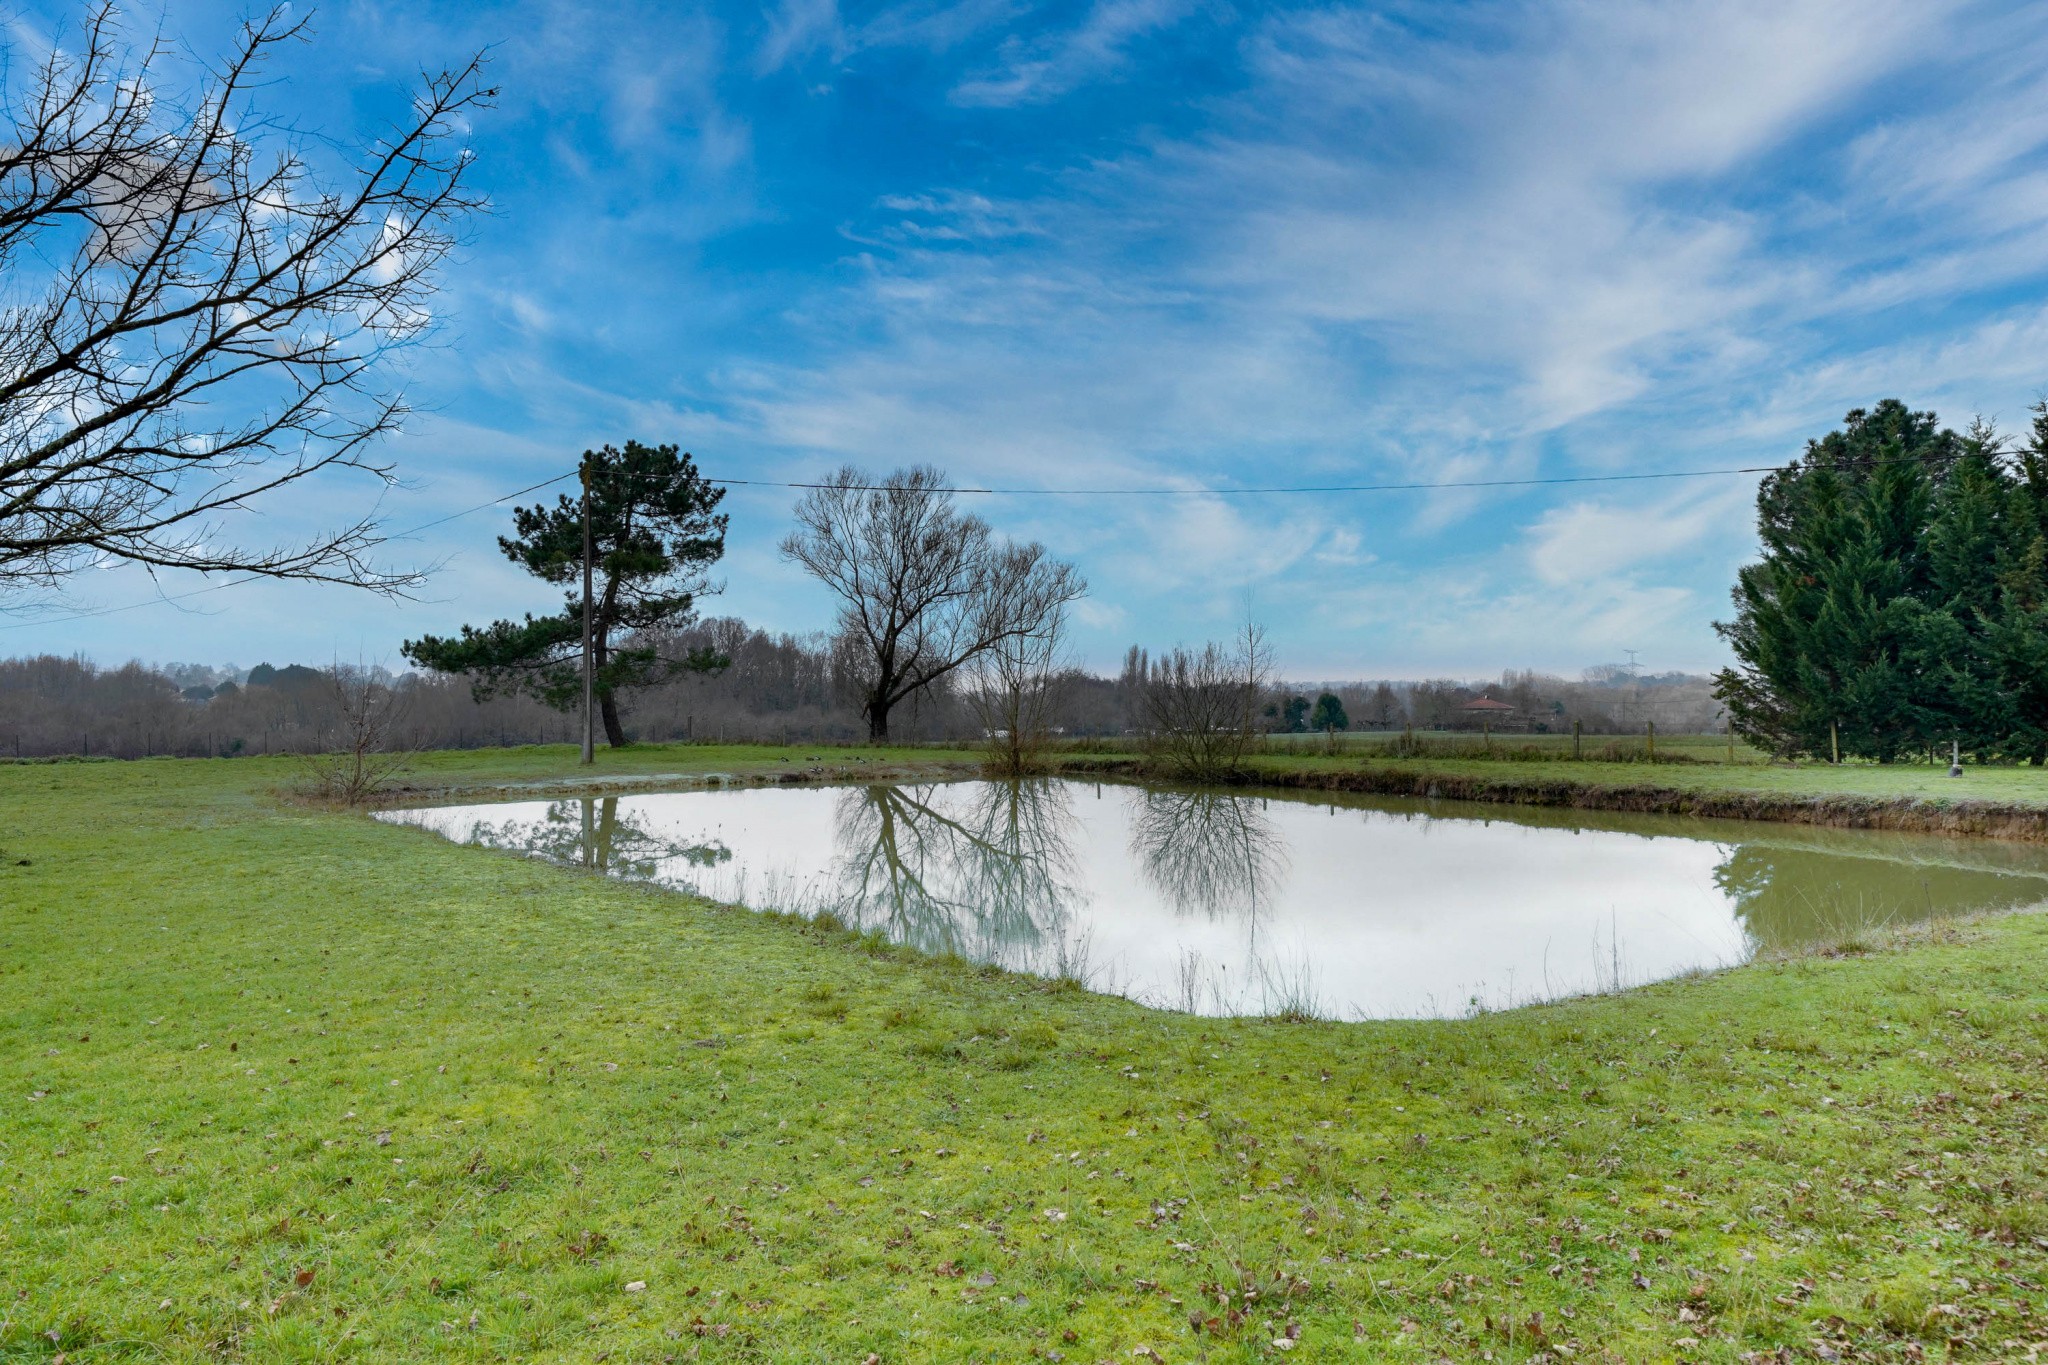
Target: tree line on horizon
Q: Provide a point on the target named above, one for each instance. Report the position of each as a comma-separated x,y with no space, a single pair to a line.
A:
1900,605
775,688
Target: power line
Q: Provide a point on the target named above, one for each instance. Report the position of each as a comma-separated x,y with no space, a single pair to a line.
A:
1445,485
1234,492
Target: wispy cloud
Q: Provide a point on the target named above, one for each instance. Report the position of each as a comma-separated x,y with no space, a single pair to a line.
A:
797,28
1044,68
1583,542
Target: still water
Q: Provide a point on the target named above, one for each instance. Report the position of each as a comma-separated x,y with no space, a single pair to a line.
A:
1227,902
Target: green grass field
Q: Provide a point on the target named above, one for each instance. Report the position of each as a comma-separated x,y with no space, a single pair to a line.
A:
1700,768
289,1084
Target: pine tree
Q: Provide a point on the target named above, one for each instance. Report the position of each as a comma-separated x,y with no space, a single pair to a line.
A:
1329,714
655,531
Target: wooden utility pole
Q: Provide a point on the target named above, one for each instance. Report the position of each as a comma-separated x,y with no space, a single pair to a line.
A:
589,739
1651,732
1834,743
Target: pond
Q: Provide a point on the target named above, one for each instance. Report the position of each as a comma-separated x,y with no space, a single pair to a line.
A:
1234,902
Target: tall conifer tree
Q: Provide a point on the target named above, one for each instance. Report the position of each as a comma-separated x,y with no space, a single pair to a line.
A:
2018,635
1829,629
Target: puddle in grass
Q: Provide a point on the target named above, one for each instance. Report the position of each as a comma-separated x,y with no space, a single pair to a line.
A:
1228,902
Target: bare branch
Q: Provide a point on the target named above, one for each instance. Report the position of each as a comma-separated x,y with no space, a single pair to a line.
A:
191,319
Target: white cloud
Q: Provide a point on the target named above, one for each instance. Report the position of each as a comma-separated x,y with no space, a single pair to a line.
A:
938,25
1100,615
798,28
1387,254
1586,541
1343,547
1537,232
1032,72
954,216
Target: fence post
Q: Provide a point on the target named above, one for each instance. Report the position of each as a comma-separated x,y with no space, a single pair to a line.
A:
1834,744
1652,732
1731,739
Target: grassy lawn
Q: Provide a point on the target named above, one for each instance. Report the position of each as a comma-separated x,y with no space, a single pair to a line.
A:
1706,773
551,764
285,1084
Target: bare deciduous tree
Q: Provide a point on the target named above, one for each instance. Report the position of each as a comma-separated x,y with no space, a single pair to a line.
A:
1017,688
190,317
1201,706
359,758
924,588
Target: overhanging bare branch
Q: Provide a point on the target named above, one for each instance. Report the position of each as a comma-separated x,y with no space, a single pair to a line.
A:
192,318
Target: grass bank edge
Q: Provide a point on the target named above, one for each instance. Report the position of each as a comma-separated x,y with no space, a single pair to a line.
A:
1992,803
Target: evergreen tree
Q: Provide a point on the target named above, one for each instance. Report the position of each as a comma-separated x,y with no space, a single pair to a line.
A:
2017,638
1830,628
1963,693
655,531
1329,714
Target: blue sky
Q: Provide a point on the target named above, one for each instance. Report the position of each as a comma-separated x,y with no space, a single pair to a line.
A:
1182,243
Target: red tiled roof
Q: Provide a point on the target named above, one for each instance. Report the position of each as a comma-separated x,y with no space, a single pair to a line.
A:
1487,704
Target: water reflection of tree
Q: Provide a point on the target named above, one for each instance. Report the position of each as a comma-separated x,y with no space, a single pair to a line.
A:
991,877
1209,853
1794,897
590,832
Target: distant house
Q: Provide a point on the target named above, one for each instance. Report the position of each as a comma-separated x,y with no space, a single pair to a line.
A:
1488,712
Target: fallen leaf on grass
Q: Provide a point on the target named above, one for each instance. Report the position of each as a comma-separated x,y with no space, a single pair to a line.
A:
303,1278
